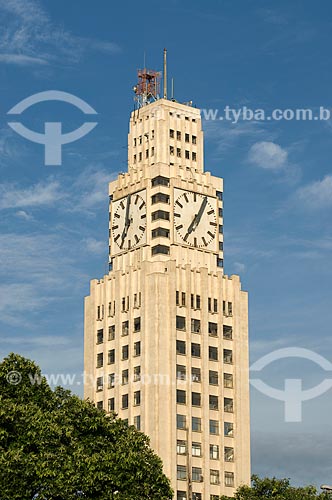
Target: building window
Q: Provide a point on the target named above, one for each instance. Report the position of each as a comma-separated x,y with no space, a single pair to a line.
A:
137,324
160,232
214,477
229,479
219,195
111,332
100,360
195,326
213,377
125,328
135,158
111,404
160,181
125,377
178,152
137,300
135,141
177,298
181,447
196,399
125,401
152,151
197,496
228,356
215,305
228,380
180,347
183,299
140,156
196,374
221,229
111,357
221,246
181,397
187,155
209,304
196,449
220,262
111,381
192,301
195,350
198,301
137,398
220,212
178,135
193,156
100,405
196,474
123,303
125,352
100,336
146,153
137,349
171,150
160,198
171,133
213,402
186,137
160,249
180,323
181,495
137,422
213,353
180,372
137,373
213,329
228,405
228,454
180,421
214,427
228,429
214,452
230,309
214,497
100,383
140,139
160,214
181,472
194,139
196,424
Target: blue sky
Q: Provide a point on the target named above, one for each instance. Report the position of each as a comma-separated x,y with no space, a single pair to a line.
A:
278,180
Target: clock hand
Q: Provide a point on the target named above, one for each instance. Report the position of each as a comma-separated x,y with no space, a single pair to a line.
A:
127,219
198,216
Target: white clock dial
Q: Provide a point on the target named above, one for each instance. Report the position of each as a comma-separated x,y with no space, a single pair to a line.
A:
129,221
195,219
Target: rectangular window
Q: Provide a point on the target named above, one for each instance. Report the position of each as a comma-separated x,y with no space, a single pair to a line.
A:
196,399
181,397
221,229
214,497
194,139
111,404
180,347
219,195
180,323
180,372
111,332
100,336
125,352
214,452
195,350
137,373
193,156
135,140
100,383
196,424
214,427
228,380
180,421
215,305
213,329
187,155
198,301
213,402
171,133
160,214
146,153
196,374
181,495
125,328
183,299
220,212
137,422
224,308
228,429
228,405
137,324
230,309
178,135
111,357
178,152
137,349
221,246
213,377
160,232
192,303
123,303
100,360
125,377
197,496
137,398
186,137
181,447
196,474
111,380
229,479
228,454
140,156
124,401
135,158
228,356
195,326
160,249
160,198
196,449
100,405
160,181
171,150
214,477
152,151
213,353
177,298
209,304
181,472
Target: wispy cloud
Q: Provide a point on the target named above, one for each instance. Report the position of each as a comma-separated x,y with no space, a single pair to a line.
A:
94,246
268,155
226,134
317,195
40,194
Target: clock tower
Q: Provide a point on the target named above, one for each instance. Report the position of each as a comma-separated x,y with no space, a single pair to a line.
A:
166,331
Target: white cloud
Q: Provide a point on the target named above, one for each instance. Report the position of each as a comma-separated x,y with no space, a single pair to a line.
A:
95,246
21,60
239,267
226,134
22,214
35,195
268,155
317,195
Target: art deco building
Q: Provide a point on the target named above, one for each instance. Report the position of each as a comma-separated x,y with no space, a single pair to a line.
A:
166,332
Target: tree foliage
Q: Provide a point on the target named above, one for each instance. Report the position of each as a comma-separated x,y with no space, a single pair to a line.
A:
54,446
275,489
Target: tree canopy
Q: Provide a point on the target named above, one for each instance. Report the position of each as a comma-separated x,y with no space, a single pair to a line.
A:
54,446
275,489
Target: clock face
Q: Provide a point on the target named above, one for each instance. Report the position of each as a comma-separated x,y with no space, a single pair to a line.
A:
129,222
195,219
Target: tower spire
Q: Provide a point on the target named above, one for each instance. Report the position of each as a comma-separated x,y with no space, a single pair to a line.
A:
165,73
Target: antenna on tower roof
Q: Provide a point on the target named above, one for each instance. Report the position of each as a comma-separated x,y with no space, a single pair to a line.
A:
165,73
